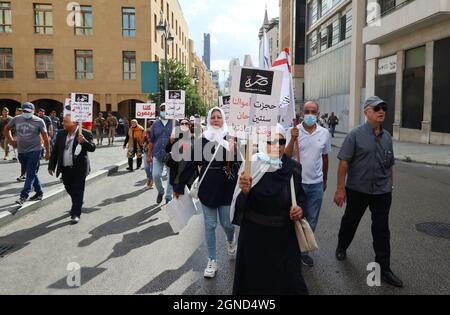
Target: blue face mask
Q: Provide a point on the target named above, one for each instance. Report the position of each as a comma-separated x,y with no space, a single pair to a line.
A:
163,115
310,120
27,115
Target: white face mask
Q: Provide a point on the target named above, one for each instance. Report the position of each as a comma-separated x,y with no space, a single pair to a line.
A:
27,115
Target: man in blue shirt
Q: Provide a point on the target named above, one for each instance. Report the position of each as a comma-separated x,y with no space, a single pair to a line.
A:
367,161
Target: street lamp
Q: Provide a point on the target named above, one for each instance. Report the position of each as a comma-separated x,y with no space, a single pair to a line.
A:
164,29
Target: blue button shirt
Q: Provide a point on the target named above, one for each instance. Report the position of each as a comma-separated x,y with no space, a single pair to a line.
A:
160,136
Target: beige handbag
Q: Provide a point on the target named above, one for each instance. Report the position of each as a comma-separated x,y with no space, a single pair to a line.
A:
305,235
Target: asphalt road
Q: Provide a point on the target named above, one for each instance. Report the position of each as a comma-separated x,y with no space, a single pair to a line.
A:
125,245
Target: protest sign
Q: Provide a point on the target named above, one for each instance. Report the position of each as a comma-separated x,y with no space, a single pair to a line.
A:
82,106
145,111
67,107
224,103
175,104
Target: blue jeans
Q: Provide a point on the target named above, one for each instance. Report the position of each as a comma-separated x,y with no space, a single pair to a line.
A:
148,168
31,162
313,204
211,225
158,168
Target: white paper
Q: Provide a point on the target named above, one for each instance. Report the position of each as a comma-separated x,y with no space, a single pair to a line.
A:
180,211
145,111
175,104
82,107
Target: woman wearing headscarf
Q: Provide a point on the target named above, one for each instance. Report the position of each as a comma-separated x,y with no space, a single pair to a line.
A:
179,150
135,142
268,257
216,190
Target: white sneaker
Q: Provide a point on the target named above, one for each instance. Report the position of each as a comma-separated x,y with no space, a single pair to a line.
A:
232,247
211,269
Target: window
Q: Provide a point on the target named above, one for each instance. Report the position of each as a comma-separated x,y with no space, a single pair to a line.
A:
84,64
43,19
129,65
44,64
83,21
6,63
128,22
5,17
324,39
349,24
336,38
343,28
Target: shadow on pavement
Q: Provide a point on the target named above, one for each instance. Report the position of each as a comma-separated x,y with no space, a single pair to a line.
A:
122,198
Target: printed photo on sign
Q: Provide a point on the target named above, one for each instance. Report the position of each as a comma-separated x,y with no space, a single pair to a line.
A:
256,81
175,95
82,98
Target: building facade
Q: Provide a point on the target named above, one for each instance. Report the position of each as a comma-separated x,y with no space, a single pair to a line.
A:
207,50
334,70
407,61
48,50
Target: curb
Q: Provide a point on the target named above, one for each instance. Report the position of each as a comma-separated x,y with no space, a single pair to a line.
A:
8,217
408,159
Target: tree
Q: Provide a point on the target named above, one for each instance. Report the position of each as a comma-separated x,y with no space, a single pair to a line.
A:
179,79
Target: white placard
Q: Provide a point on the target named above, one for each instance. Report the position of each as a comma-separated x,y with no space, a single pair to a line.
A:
180,211
145,111
175,104
225,104
255,100
82,107
387,65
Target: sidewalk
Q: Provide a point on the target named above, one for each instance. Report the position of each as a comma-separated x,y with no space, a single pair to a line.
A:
436,155
104,161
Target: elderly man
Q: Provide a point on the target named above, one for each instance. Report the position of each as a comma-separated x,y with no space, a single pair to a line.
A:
314,142
29,130
70,158
367,160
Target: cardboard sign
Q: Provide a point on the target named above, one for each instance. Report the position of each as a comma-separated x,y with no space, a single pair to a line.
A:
145,111
175,104
225,103
82,107
255,100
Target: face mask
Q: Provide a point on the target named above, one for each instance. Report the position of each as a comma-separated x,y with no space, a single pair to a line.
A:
163,115
310,120
27,115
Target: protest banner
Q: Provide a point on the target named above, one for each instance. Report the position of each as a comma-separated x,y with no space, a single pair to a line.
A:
175,104
145,111
82,107
224,103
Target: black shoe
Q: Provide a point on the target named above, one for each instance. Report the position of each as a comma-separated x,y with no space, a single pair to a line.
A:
168,201
160,198
341,254
21,179
391,279
308,261
75,220
37,197
21,201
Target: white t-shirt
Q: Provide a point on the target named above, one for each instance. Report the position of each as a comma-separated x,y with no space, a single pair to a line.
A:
312,148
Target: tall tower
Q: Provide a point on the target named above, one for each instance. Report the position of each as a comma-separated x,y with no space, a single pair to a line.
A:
207,51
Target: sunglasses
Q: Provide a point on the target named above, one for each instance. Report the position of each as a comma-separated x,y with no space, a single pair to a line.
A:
382,107
281,142
185,124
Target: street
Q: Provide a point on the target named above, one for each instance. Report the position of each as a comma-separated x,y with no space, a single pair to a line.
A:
125,245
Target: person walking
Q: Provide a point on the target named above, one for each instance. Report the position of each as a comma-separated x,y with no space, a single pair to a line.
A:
148,164
55,124
268,260
333,122
29,130
159,138
135,142
5,119
99,124
217,185
367,162
111,125
70,159
314,142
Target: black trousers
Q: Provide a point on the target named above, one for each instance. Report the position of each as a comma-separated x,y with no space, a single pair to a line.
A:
379,205
74,182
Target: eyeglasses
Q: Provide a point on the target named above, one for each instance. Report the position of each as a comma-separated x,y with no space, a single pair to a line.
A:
382,107
281,142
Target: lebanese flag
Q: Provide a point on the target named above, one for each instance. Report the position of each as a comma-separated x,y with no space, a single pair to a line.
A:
287,101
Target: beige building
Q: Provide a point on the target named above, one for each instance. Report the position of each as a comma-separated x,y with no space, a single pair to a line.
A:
203,80
47,50
407,61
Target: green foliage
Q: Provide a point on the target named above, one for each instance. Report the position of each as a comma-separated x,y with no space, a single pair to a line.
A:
179,79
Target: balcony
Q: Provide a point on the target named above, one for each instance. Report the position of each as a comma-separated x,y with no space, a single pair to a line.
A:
396,18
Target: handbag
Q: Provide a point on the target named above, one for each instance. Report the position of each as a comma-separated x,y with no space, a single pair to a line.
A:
196,185
305,235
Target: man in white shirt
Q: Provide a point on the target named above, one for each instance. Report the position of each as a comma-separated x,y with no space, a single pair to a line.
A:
315,145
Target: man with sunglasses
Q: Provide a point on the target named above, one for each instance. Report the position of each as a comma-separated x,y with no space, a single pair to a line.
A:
314,142
367,161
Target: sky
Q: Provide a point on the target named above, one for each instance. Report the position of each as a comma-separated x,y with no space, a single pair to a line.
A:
233,24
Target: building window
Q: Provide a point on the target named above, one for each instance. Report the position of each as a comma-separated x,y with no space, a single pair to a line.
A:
129,22
5,17
84,64
43,19
129,65
324,39
44,64
349,24
6,63
83,21
336,36
386,6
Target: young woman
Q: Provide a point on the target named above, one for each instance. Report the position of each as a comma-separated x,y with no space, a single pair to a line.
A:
268,257
135,142
217,187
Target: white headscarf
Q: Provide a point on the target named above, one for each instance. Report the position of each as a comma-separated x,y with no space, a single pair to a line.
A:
217,135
